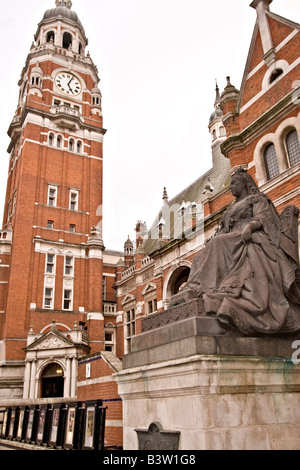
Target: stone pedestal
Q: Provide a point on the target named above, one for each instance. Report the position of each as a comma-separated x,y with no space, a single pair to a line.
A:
216,390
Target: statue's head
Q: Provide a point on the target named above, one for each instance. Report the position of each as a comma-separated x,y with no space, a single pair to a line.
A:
246,179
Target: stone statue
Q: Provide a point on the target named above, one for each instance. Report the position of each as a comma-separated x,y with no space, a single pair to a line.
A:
248,274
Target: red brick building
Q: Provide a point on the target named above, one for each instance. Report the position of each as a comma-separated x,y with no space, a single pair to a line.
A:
256,127
57,301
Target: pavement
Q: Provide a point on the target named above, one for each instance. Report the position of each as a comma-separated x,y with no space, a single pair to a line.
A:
13,445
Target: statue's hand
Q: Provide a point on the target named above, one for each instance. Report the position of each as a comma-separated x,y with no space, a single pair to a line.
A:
247,234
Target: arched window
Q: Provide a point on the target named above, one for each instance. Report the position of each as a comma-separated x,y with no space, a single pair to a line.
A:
271,161
222,131
79,146
51,137
71,145
50,36
275,74
58,142
52,381
67,40
293,147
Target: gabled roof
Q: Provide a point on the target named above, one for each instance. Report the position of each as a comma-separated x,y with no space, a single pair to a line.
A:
256,47
50,340
212,182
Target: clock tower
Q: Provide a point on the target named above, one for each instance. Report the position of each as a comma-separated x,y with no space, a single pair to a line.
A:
51,302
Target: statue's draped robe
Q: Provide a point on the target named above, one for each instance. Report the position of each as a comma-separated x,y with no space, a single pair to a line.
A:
250,285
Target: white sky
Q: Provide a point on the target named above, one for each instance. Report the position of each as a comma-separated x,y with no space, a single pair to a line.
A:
158,61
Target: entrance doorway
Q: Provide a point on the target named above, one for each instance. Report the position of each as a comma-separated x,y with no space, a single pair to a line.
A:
52,381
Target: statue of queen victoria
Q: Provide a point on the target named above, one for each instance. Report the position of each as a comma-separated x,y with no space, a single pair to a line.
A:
248,274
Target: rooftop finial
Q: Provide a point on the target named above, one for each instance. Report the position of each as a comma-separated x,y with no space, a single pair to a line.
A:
218,98
165,196
63,3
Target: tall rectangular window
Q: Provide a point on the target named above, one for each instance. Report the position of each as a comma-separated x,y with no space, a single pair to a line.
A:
109,341
130,327
50,224
69,266
50,264
52,196
67,300
73,200
48,298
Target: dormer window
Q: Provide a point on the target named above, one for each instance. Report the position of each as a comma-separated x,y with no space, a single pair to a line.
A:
67,40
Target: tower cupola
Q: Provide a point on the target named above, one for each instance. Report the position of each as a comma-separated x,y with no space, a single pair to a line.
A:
216,126
62,27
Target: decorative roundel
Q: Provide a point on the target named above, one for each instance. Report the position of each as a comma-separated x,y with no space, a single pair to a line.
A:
68,84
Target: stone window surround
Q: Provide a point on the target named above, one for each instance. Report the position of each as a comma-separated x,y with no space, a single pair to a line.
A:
53,198
278,139
128,306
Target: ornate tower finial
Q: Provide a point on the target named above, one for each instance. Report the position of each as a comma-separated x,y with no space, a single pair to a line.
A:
63,3
165,196
218,98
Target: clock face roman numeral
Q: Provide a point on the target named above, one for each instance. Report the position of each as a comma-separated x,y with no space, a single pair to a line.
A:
68,83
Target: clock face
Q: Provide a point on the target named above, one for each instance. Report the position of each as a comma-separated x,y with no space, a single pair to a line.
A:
68,84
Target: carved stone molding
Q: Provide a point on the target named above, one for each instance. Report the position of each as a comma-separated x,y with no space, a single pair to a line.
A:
155,438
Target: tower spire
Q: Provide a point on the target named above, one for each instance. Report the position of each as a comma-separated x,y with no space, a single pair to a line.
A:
218,98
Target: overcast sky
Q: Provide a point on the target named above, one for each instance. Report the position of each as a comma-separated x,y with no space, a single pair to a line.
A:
158,61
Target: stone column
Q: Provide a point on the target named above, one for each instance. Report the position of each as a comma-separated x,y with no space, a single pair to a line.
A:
32,380
26,387
74,377
68,378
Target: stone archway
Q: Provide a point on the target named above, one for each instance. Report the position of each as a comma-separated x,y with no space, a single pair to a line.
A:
52,381
175,281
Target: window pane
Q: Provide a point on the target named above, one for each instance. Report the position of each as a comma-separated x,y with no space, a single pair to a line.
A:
271,161
108,336
293,147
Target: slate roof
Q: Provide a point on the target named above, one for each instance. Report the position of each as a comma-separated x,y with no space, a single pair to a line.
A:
212,182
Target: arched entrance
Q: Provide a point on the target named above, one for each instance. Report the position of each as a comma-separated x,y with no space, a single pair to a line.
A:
52,381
